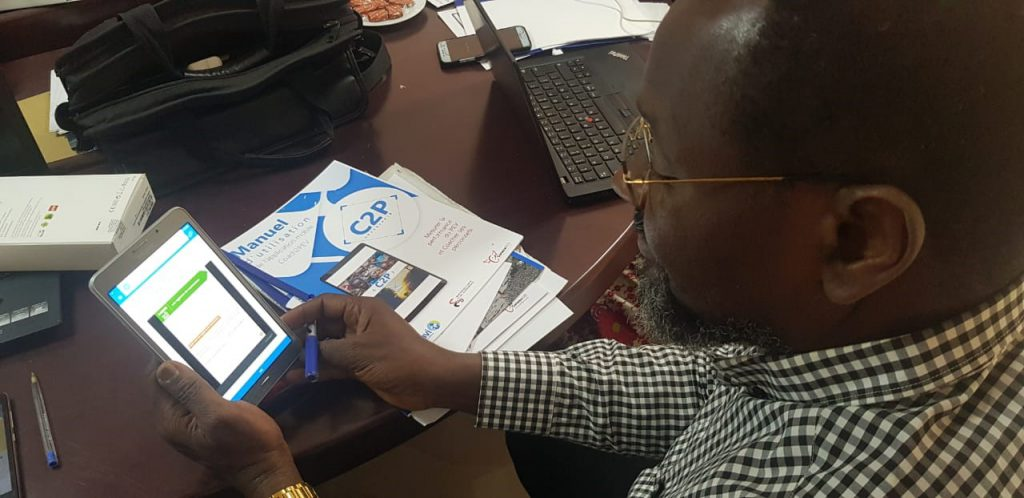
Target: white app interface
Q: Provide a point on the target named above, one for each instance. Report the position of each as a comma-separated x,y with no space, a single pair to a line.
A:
197,312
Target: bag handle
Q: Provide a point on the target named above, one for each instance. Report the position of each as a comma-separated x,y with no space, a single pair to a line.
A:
147,29
373,48
271,12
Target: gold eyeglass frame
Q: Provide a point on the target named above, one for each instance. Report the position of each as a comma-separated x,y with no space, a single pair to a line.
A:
641,130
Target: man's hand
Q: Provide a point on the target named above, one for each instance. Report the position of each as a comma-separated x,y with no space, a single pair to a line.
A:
364,339
236,440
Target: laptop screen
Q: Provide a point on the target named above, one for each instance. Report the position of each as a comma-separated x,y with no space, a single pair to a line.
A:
503,64
19,155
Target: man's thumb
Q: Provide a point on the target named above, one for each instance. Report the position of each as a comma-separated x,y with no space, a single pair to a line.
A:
339,357
186,386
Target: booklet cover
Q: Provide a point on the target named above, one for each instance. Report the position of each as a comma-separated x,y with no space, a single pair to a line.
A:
344,209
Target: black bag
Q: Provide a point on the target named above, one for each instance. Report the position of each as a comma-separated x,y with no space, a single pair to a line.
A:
292,71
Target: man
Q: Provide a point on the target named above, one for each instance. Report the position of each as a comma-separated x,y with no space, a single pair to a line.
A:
845,273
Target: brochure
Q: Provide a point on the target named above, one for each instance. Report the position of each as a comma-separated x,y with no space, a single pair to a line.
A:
444,254
534,298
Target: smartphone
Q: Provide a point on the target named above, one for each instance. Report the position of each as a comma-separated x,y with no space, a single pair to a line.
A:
467,48
182,297
10,485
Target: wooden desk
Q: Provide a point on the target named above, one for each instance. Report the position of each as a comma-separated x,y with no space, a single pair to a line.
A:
454,129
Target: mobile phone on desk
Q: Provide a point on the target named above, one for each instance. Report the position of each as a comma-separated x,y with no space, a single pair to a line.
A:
182,297
463,49
10,484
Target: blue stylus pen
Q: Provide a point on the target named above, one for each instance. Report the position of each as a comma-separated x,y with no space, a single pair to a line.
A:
44,424
312,354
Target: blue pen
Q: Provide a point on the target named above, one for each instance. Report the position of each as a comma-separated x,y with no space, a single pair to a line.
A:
275,294
312,354
257,273
44,424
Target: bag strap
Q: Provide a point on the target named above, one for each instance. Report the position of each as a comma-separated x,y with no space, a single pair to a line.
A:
271,12
149,33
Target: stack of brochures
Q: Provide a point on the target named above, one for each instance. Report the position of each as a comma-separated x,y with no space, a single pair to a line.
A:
460,281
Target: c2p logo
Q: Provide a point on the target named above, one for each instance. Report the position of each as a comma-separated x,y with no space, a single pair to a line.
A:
382,281
369,219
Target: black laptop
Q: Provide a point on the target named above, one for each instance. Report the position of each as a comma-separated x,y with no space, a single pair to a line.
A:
580,103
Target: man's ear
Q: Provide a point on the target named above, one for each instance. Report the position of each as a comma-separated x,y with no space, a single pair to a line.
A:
874,235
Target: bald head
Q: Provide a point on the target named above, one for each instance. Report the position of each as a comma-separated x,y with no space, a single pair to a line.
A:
907,114
925,95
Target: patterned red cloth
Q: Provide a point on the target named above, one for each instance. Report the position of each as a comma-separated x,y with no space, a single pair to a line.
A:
611,316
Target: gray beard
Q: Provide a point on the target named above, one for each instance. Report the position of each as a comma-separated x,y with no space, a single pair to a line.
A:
662,319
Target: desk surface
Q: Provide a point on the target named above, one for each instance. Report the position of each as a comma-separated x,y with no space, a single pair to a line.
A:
454,129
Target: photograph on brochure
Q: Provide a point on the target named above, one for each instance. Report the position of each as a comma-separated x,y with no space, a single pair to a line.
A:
370,272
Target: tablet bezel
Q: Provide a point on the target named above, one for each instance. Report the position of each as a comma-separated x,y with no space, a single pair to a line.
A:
115,271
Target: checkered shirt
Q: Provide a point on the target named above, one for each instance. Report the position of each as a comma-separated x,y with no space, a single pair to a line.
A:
933,413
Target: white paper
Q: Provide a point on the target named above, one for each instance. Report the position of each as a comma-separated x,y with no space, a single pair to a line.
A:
58,96
467,24
6,5
554,23
416,183
546,320
540,292
429,416
459,335
440,3
408,178
635,11
546,20
521,307
519,322
451,19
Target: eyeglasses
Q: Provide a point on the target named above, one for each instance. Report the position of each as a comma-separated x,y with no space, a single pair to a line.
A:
636,173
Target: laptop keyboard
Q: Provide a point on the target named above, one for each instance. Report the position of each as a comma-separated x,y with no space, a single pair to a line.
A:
562,95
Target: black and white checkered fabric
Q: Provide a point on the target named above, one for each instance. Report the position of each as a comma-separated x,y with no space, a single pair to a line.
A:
939,412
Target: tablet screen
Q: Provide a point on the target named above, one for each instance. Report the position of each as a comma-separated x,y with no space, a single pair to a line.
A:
196,311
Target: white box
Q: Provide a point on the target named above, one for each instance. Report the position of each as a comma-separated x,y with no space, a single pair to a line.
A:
74,222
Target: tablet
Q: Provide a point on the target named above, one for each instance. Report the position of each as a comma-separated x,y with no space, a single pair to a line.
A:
179,294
